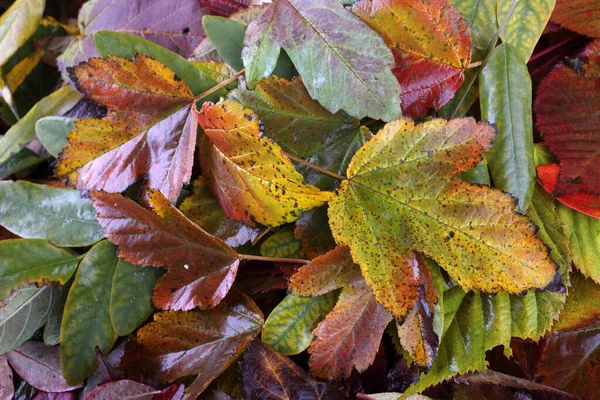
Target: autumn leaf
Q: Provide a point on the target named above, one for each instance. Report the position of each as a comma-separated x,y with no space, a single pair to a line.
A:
400,191
250,176
334,52
431,44
269,375
303,128
567,108
150,132
195,343
179,29
201,268
581,16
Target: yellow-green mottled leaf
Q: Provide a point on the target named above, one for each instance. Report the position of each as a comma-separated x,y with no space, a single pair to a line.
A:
525,24
401,196
86,319
289,326
282,244
17,24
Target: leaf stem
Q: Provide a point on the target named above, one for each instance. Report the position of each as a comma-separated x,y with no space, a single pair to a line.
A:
475,64
315,167
220,85
273,259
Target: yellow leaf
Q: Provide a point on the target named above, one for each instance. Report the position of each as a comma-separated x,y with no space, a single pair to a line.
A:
19,72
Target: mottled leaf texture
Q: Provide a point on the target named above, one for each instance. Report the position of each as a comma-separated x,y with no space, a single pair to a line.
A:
506,102
567,107
195,343
59,215
152,132
203,209
588,204
570,357
269,375
17,24
431,44
86,319
201,268
33,261
525,23
581,16
250,176
472,323
288,329
174,24
39,365
401,195
302,127
479,16
349,336
344,64
582,308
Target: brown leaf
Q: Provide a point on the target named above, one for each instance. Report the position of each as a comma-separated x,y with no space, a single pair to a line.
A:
194,343
123,389
349,336
7,387
201,268
269,375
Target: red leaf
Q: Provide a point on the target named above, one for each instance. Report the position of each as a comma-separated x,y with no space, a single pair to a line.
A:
201,268
568,114
269,375
581,16
224,8
39,365
586,203
195,343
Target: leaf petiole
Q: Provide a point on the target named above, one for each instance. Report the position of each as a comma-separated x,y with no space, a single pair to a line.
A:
273,259
220,85
315,167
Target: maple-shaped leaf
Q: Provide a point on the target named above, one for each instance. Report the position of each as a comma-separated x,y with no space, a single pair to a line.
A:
431,43
589,204
195,343
150,132
344,64
581,16
401,195
567,110
269,375
201,268
251,177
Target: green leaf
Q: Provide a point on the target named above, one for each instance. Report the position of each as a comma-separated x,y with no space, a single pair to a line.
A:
130,308
525,24
505,88
33,261
61,216
21,160
481,16
23,131
584,234
464,97
475,322
124,45
282,244
478,174
86,319
53,131
289,326
323,46
228,38
302,127
25,312
17,24
52,327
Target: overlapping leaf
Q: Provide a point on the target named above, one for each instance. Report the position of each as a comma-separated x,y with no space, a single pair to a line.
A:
401,195
195,343
567,108
201,268
250,176
581,16
269,375
173,24
302,127
335,53
151,132
17,24
431,43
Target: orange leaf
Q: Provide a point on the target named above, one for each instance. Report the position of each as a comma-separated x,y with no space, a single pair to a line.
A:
431,43
201,268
